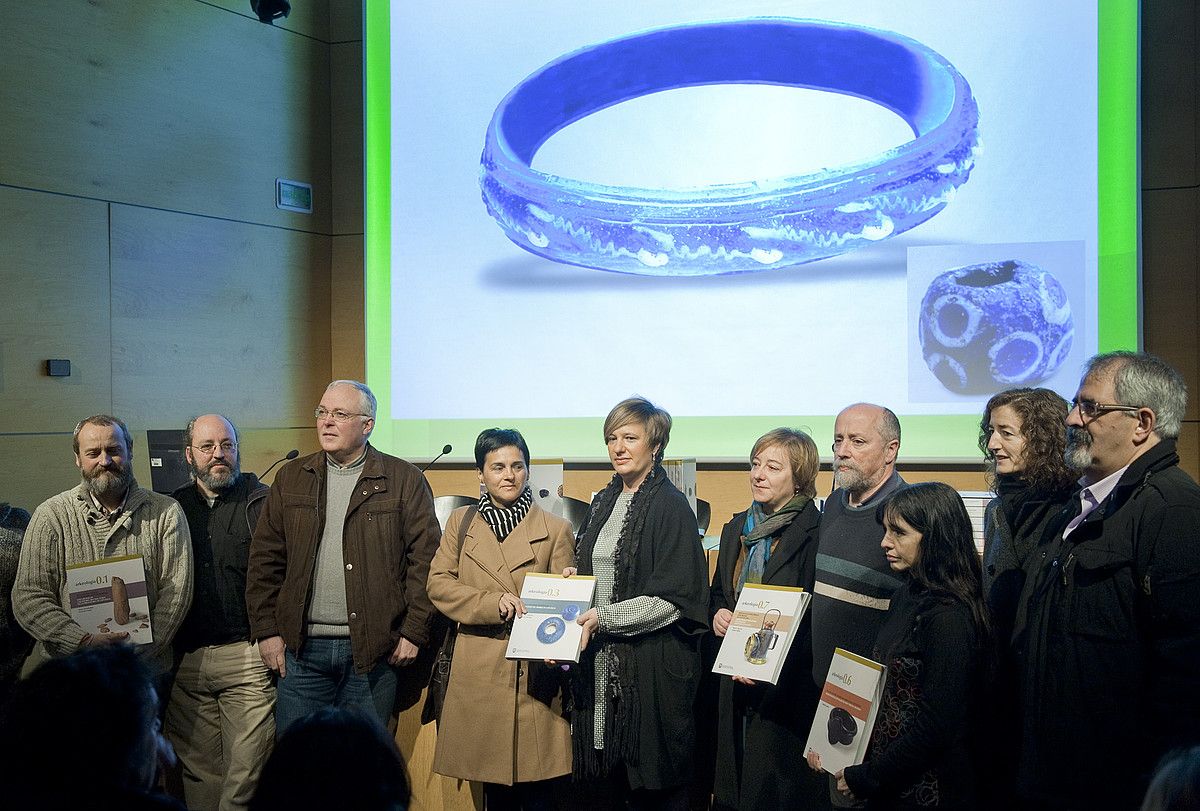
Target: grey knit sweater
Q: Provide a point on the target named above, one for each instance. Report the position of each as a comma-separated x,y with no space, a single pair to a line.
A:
68,529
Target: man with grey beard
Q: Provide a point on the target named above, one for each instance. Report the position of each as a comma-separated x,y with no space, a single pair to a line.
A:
1107,636
221,713
106,516
854,582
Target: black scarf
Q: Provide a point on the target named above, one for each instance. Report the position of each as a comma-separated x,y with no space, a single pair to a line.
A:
1028,511
622,717
504,520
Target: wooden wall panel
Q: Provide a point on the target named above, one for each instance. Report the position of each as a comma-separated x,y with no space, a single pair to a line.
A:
1171,199
1171,282
345,20
1170,88
348,329
1188,446
215,315
54,269
346,98
175,105
34,467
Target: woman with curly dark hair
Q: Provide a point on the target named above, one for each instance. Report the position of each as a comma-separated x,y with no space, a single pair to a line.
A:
1022,435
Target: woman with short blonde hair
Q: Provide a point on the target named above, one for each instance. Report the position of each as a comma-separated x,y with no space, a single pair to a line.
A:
634,688
762,728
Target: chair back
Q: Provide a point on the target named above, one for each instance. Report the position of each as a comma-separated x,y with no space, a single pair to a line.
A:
444,505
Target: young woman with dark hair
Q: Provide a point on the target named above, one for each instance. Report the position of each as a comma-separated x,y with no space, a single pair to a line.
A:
934,644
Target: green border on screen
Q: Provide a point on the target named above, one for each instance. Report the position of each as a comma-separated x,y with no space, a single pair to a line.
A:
1119,311
933,438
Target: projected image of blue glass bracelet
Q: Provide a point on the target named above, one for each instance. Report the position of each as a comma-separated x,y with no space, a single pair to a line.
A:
738,227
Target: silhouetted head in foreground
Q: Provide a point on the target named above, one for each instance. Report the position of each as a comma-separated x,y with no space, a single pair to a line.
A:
333,758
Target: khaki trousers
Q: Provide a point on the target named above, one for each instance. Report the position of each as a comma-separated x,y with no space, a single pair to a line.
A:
221,721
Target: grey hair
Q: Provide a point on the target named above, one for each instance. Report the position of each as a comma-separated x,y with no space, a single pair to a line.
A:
368,398
888,424
190,430
1146,381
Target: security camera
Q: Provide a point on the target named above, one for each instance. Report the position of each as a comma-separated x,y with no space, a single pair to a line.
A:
270,10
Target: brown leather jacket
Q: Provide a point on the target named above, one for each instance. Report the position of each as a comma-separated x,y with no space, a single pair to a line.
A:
390,535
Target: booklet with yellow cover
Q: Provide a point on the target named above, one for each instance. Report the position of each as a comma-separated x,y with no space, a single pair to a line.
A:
846,713
109,596
761,632
549,630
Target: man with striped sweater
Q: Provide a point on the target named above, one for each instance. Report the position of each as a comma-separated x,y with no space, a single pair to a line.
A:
854,583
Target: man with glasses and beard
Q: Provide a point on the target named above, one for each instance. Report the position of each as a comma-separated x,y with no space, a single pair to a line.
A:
107,515
1108,630
221,714
854,582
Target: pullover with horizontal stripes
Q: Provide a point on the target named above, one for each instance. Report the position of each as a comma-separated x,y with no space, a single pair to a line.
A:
854,583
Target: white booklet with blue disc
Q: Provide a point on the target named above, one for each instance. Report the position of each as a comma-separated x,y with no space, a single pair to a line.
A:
549,630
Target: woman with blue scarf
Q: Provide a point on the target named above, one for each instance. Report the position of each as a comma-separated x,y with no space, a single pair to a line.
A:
762,728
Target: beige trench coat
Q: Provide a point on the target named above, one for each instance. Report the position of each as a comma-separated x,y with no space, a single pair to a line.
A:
502,720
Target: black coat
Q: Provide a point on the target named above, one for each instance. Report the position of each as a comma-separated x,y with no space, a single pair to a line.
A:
769,771
668,562
1015,525
920,753
1107,641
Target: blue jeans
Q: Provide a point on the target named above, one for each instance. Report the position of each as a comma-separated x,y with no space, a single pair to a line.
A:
321,674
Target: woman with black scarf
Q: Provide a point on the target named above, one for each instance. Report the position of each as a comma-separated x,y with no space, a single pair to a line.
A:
632,726
1023,435
502,722
762,728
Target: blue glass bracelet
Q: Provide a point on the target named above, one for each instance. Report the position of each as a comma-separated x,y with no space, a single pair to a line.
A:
736,227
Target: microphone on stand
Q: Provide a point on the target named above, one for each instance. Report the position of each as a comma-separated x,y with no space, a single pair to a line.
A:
445,450
292,454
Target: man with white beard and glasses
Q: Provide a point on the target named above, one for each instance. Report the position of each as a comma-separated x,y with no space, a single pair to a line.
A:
854,582
107,515
1107,634
221,715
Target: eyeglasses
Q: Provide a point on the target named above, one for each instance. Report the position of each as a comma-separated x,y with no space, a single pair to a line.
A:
209,448
1091,409
337,415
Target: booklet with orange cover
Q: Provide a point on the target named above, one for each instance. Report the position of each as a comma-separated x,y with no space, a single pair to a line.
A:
846,713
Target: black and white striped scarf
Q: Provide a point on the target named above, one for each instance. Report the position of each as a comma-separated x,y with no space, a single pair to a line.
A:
504,520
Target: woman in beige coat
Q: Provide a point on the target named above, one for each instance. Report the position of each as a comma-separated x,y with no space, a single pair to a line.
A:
502,723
